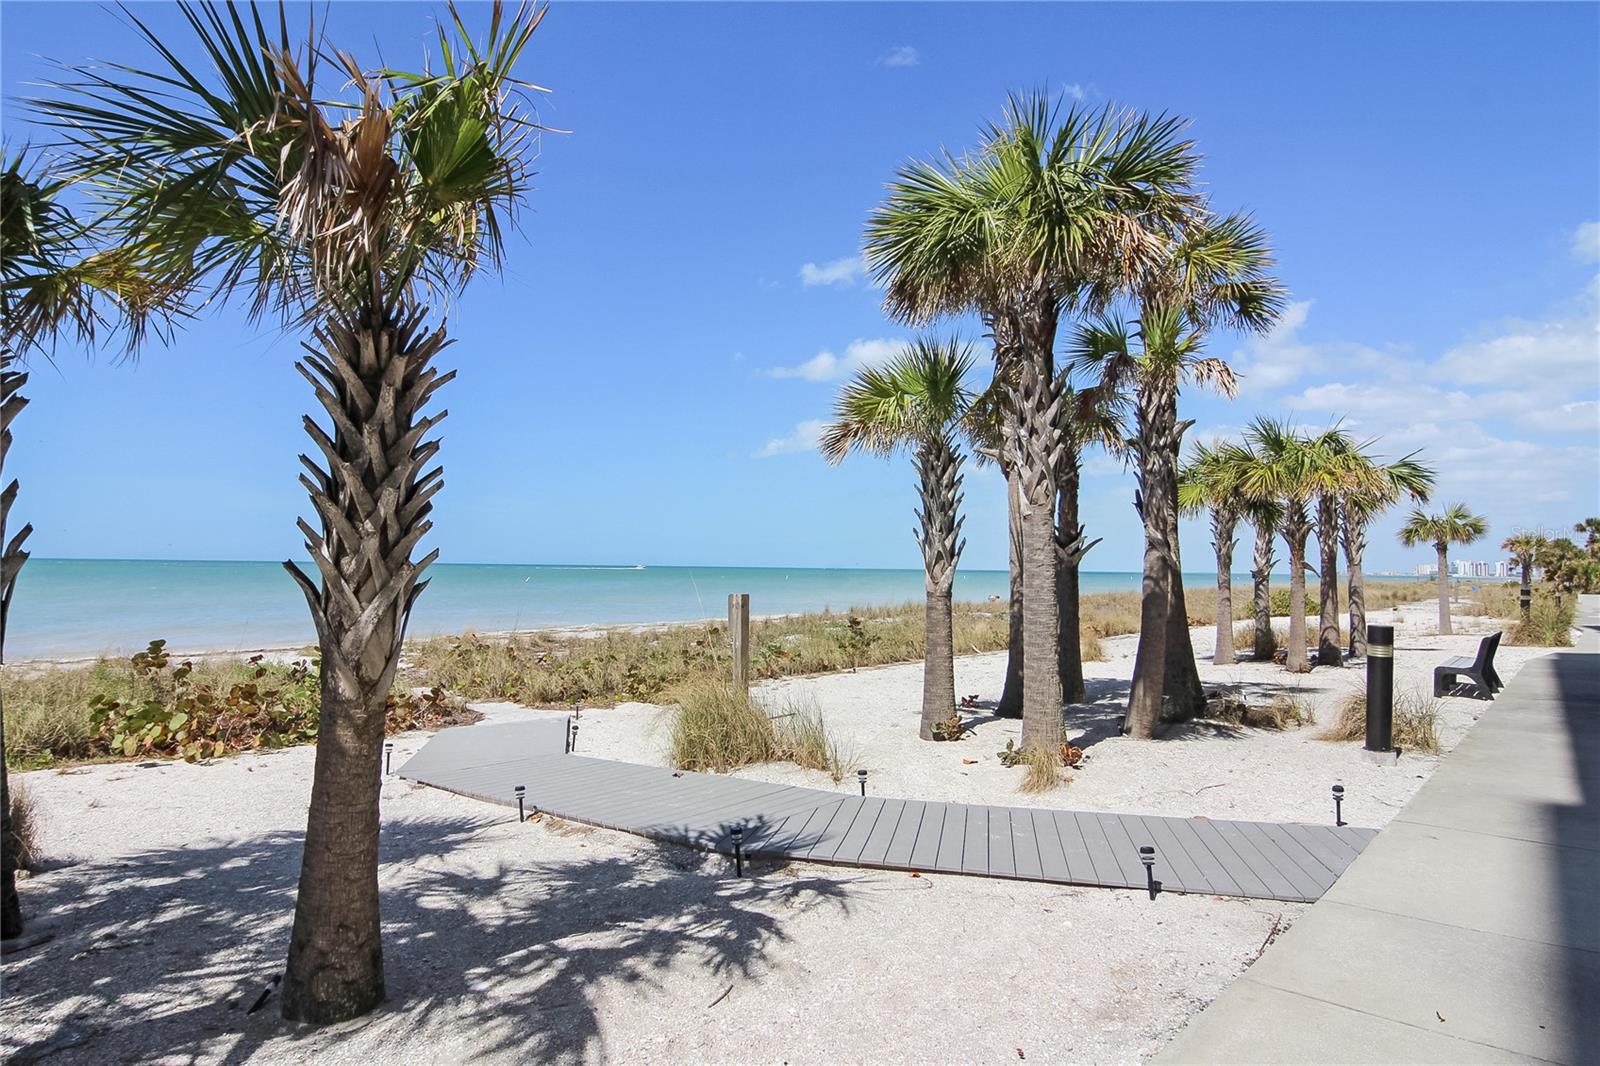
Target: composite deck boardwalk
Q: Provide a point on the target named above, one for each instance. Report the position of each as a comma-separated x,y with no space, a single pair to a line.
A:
1256,859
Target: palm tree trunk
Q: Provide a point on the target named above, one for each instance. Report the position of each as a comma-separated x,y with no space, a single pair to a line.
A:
1328,653
1296,528
1261,592
1223,520
373,377
1157,446
1010,705
1525,593
1034,441
1444,589
1183,694
939,535
11,560
1070,535
1355,547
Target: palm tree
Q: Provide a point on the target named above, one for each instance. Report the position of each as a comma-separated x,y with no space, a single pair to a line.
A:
917,401
1342,472
1093,418
346,214
1267,517
985,431
1286,474
1525,548
1457,525
1403,477
1052,211
1213,271
53,283
1210,482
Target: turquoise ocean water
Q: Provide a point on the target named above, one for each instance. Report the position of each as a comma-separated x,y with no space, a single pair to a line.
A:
79,607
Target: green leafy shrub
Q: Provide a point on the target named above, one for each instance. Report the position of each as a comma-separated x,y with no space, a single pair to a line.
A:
149,705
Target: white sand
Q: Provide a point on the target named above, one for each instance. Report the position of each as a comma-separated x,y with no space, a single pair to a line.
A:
550,941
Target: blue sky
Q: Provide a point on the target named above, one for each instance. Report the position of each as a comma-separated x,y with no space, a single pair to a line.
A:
645,382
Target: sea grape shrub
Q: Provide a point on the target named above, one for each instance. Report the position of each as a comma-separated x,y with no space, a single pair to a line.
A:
175,714
853,639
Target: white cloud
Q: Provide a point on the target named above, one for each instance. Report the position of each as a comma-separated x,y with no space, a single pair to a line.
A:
804,439
829,366
1586,241
1550,357
837,272
1076,92
901,56
1281,357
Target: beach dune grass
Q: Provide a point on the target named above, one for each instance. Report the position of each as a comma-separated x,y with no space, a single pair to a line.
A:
718,727
1416,721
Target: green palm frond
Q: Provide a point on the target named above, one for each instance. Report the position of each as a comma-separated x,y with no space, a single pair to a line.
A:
243,175
916,396
1456,525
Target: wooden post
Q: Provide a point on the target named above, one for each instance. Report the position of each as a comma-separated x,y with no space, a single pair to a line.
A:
739,634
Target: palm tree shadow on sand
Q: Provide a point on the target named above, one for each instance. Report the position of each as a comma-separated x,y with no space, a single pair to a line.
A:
163,954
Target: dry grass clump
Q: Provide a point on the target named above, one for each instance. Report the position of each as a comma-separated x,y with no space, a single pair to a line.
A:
1093,651
1042,769
1548,626
1416,720
718,728
1280,712
24,827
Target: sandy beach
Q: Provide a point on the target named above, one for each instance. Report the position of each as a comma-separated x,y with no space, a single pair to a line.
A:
170,888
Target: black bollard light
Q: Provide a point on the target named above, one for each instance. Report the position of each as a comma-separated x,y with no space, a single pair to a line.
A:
738,850
567,738
388,752
521,791
1338,805
1147,855
1380,688
861,776
1525,600
572,748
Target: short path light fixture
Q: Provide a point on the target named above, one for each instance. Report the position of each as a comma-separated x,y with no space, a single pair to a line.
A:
521,791
861,777
1147,855
1338,805
738,850
388,753
572,744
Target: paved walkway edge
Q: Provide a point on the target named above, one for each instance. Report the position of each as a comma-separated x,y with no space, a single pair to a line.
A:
1469,930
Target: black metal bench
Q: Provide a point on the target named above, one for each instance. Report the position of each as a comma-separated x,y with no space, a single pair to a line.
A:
1479,671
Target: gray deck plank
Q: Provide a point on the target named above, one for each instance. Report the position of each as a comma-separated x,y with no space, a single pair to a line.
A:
875,851
1025,845
851,844
1222,883
975,842
1106,867
1174,869
1124,847
1258,859
909,836
849,810
1306,886
1079,866
1248,881
1052,860
1002,861
952,838
1260,864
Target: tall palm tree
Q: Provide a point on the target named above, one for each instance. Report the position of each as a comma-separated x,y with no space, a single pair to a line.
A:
54,283
917,401
1404,477
1266,516
1286,474
1525,548
248,176
1211,271
1210,482
985,432
1457,525
1342,472
1093,418
1053,210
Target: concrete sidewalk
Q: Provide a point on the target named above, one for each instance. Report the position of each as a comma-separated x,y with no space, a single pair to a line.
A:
1469,930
